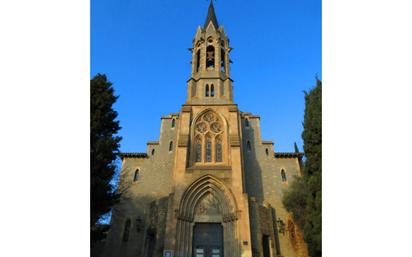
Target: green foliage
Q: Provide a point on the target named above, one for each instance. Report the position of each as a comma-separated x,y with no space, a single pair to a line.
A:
104,148
304,198
294,200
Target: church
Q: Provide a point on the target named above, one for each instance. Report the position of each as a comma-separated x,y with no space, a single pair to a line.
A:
210,186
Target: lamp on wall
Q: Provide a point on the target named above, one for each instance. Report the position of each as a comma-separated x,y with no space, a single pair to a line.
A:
281,226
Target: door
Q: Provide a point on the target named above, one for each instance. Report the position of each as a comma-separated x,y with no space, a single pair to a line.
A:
208,240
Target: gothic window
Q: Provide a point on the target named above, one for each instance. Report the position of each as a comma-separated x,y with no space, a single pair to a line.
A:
126,230
222,60
173,123
267,152
283,175
153,151
170,146
248,145
212,90
136,175
197,60
218,151
198,147
207,90
210,57
208,149
246,122
209,140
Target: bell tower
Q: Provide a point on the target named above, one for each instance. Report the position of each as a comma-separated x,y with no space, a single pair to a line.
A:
210,81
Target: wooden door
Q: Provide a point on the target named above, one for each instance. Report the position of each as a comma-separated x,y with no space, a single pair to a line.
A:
208,240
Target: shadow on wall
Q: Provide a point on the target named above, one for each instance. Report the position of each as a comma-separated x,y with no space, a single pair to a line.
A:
137,227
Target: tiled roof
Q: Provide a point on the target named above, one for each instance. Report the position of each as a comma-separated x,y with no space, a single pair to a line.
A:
288,155
133,155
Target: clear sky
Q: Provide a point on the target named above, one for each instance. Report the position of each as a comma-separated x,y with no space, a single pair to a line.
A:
141,45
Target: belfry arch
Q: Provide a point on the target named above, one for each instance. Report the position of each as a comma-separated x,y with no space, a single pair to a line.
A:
221,209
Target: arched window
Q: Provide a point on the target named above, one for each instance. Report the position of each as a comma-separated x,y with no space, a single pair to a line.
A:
153,151
212,90
218,151
222,61
283,175
208,149
198,147
173,123
246,122
248,145
209,139
136,175
207,90
267,152
170,146
210,57
197,60
126,230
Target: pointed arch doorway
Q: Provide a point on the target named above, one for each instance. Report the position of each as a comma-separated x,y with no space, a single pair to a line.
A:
207,221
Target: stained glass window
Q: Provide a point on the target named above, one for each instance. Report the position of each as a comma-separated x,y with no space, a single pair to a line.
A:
208,150
218,150
198,151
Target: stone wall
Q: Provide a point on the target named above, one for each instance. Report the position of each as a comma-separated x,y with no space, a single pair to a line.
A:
265,187
153,187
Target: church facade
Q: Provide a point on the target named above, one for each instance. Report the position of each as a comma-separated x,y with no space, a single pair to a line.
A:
210,186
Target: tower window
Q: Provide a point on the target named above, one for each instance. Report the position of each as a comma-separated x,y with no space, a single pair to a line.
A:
267,152
136,175
248,145
170,146
173,123
247,123
197,60
207,90
153,151
126,230
210,57
222,60
212,90
283,175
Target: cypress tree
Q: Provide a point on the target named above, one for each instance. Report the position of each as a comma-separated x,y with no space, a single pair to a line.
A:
312,138
304,197
104,148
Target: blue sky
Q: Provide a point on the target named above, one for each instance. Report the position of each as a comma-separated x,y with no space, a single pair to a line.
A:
142,48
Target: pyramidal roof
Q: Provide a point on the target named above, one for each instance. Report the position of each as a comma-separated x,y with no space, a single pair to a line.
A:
211,16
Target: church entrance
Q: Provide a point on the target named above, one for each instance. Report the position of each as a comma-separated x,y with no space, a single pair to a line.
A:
208,240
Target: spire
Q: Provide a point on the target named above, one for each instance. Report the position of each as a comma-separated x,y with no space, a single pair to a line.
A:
211,16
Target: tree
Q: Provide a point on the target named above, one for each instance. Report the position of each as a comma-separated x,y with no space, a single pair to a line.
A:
312,139
104,148
304,197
